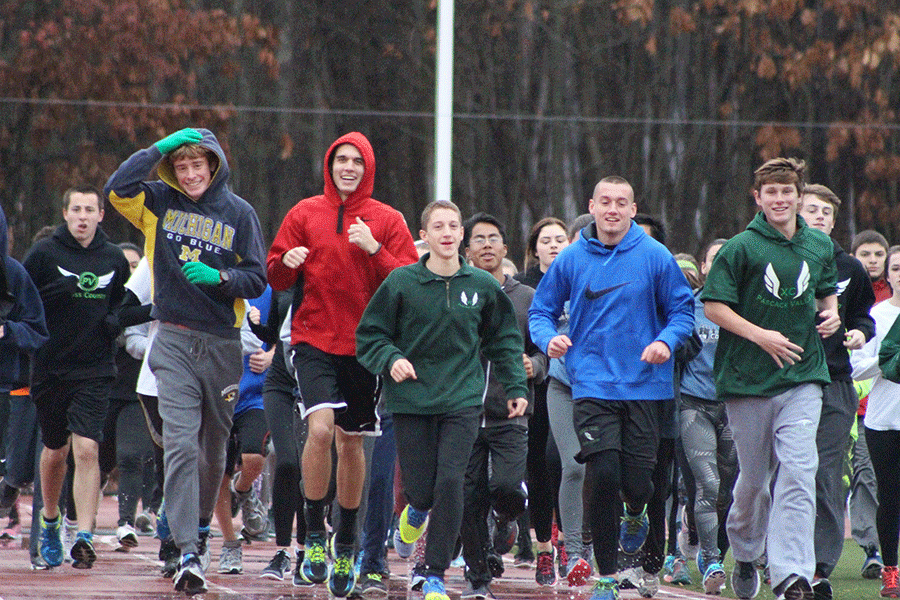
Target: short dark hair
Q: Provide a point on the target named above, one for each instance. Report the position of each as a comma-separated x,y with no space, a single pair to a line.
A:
657,230
82,189
867,236
131,246
477,218
579,223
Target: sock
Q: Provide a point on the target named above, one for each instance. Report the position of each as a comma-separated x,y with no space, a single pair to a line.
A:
346,531
315,516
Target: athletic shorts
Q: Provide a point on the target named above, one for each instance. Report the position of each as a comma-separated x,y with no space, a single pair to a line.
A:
629,426
66,406
249,435
340,383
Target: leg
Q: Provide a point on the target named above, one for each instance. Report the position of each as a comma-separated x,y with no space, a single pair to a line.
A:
839,404
883,451
476,505
863,492
751,421
86,482
793,514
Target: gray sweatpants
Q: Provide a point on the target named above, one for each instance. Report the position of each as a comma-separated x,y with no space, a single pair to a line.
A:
775,439
863,491
839,404
197,375
571,497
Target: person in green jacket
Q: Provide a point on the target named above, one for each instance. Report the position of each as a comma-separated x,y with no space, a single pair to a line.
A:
426,327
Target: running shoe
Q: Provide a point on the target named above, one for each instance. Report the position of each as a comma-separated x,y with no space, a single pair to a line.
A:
562,559
127,537
371,585
745,580
821,589
143,524
714,578
505,533
545,571
796,587
433,589
298,569
606,588
83,554
579,572
231,561
647,583
403,549
278,567
417,576
476,592
255,517
51,545
314,568
633,531
494,563
190,577
410,533
342,575
871,568
890,583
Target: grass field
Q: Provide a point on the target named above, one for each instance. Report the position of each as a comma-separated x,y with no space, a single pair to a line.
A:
846,580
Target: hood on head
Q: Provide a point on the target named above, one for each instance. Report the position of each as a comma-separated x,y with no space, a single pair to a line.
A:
367,184
219,178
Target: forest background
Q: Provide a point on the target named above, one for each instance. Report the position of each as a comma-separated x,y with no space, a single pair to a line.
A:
683,98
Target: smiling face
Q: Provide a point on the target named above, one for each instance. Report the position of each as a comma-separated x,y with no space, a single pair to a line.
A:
817,213
779,203
550,242
82,215
193,175
486,248
872,258
347,169
613,208
443,232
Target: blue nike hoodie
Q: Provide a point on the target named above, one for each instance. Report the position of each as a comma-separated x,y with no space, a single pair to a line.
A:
621,299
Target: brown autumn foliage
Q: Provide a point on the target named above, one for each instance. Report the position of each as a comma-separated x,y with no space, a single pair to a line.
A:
682,97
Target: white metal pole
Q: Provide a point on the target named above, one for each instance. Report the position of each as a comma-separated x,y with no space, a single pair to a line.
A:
443,104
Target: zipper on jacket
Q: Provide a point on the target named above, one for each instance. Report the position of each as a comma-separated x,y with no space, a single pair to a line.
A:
340,222
447,285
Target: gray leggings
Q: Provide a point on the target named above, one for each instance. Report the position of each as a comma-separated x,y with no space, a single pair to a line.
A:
712,458
571,507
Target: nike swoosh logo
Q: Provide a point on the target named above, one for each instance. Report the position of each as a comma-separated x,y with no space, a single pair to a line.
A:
592,295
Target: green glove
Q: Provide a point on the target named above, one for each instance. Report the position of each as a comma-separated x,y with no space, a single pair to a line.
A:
179,138
197,272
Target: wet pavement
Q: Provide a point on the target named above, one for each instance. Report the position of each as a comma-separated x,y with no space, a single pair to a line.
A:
136,574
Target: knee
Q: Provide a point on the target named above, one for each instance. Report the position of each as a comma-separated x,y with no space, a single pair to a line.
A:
509,501
320,434
86,451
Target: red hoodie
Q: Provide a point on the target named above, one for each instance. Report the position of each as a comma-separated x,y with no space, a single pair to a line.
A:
339,277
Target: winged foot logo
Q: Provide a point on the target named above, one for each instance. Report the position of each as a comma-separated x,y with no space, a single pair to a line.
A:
466,301
773,284
89,282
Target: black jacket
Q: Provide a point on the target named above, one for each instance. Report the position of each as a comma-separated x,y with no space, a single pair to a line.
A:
80,288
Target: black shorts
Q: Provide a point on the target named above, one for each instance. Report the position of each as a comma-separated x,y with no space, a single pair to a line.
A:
629,426
249,435
65,407
339,383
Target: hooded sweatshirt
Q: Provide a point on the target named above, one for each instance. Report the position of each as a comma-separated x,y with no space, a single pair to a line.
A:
80,289
21,315
773,282
621,299
855,300
339,277
220,230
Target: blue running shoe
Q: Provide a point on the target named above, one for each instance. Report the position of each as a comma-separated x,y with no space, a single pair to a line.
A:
51,542
342,576
633,531
606,588
83,554
162,524
314,568
433,589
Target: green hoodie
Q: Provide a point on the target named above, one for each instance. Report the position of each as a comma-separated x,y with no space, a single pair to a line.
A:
773,282
440,324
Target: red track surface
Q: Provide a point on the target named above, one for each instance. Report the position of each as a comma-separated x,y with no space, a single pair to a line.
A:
136,574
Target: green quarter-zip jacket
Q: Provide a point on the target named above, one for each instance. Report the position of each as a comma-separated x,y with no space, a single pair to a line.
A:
440,324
